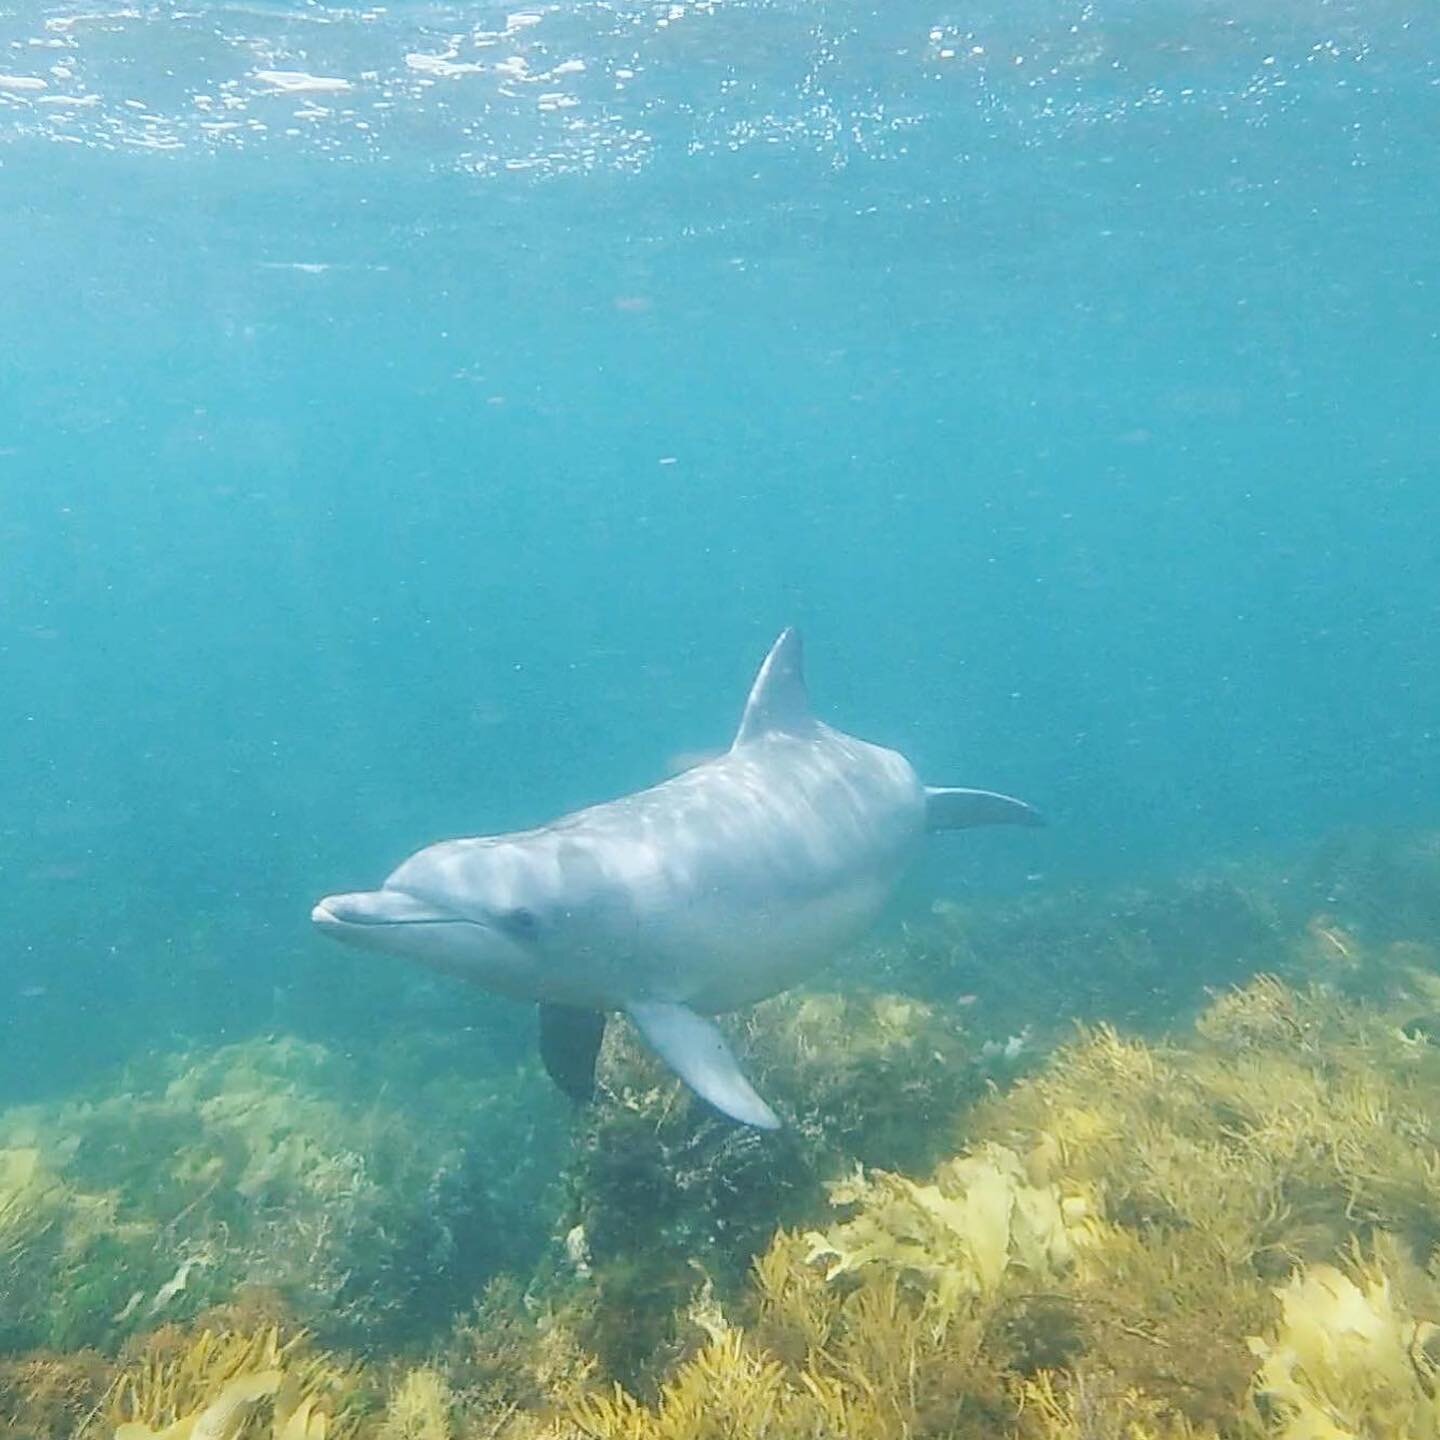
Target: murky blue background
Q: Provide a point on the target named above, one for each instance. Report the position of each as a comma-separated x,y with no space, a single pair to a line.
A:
418,422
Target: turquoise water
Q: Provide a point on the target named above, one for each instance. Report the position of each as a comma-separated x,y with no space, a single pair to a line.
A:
418,421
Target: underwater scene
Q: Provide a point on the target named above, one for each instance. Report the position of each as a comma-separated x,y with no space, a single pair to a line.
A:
719,720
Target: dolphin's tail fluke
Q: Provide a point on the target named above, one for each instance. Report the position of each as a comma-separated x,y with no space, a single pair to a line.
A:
964,809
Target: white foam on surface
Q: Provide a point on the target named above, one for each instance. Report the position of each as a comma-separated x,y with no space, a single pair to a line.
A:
301,82
555,89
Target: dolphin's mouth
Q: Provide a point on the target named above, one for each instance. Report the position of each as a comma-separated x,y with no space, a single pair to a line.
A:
381,909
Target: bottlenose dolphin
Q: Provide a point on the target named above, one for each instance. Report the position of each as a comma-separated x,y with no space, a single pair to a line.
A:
719,887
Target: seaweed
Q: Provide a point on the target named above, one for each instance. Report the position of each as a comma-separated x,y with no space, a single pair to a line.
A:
268,1165
1101,1257
1145,957
222,1385
1229,1230
665,1194
1347,1355
48,1393
419,1407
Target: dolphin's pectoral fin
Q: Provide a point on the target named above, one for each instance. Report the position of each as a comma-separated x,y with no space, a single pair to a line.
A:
961,809
779,702
569,1044
696,1051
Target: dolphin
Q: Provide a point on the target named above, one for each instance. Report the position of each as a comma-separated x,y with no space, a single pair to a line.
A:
719,887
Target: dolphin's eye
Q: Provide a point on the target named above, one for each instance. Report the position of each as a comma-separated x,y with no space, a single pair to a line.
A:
519,923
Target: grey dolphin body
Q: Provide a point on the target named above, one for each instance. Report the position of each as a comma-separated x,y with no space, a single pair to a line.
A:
713,890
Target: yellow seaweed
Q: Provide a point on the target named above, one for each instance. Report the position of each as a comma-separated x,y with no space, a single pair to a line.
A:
960,1235
30,1199
1087,1406
1220,1234
729,1390
209,1387
1346,1360
419,1409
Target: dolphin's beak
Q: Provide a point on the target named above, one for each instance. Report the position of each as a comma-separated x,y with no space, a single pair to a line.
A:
377,909
395,922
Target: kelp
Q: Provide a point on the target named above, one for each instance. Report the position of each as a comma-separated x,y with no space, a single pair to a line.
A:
1347,1356
961,1235
46,1393
663,1190
1139,956
29,1196
1226,1233
263,1166
31,1208
419,1408
224,1385
729,1389
1142,1240
1089,1405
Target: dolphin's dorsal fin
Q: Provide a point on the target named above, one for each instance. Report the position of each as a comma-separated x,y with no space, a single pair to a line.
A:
696,1051
779,704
